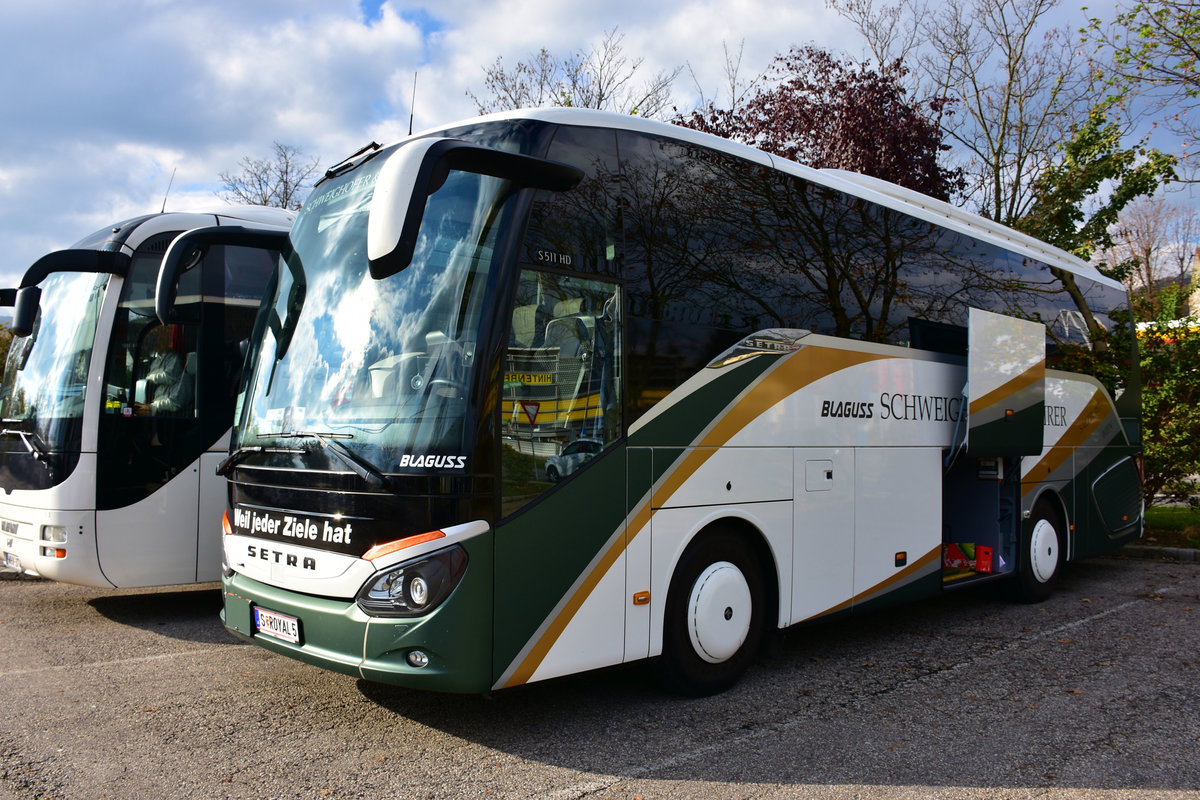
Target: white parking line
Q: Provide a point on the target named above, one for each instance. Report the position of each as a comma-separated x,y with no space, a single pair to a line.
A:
116,663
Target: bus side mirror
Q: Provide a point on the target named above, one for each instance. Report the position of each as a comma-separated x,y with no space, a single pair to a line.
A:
25,299
25,310
418,169
189,248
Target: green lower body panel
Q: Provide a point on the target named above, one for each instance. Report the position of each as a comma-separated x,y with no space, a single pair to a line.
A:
337,635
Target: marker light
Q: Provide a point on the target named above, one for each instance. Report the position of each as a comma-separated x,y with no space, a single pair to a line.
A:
387,548
416,586
226,527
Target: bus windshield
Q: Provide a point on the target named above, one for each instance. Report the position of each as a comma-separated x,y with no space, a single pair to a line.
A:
379,368
42,395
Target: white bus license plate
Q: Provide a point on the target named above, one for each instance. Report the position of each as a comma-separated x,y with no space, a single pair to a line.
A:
12,562
276,625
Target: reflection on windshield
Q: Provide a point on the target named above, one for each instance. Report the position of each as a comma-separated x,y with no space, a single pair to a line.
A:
46,374
386,363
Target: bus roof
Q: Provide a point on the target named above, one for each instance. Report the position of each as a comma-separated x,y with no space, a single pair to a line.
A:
868,188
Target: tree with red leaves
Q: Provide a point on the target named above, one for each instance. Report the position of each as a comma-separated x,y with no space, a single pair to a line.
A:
824,113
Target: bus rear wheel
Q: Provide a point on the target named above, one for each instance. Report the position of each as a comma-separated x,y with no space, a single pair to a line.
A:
1041,554
714,616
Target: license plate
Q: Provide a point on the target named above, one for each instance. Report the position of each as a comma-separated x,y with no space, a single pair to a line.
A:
12,562
276,625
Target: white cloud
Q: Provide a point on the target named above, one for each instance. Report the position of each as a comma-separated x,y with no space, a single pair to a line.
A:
102,101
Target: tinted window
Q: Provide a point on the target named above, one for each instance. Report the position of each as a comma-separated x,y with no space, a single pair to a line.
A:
170,389
717,248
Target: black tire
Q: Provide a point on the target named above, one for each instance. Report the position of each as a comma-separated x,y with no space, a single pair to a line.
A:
1041,555
552,474
714,617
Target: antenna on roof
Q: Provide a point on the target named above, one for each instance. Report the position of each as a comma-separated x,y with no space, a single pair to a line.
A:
412,104
168,192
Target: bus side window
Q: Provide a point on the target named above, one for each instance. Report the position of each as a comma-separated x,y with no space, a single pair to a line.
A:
562,382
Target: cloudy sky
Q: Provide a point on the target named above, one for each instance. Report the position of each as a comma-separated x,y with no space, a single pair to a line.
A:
101,102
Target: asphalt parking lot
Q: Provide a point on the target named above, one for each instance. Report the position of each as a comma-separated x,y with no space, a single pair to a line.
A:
1095,693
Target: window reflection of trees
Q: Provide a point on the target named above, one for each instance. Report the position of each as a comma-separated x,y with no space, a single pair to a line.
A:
732,245
711,247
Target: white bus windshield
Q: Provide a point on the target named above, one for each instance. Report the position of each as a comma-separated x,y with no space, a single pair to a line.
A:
45,379
381,368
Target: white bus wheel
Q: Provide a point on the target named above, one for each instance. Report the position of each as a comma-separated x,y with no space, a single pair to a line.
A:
719,612
1041,554
714,616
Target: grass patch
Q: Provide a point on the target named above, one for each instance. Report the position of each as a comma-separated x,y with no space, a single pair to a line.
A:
1172,526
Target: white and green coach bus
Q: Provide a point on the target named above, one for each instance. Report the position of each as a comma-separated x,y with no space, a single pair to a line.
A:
113,423
553,390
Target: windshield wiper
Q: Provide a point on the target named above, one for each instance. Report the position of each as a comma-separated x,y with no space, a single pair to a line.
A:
359,465
40,453
239,455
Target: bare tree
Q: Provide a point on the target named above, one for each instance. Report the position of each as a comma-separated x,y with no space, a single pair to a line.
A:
1018,86
1142,235
1157,240
281,181
1185,233
601,78
737,88
892,32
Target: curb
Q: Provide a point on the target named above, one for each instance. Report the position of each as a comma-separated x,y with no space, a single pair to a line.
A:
1167,553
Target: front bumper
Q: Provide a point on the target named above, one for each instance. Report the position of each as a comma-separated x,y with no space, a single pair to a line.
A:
337,635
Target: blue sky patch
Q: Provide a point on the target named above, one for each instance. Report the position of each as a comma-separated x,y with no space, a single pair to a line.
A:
426,22
372,10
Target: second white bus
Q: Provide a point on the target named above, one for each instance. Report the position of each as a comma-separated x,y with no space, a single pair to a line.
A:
112,423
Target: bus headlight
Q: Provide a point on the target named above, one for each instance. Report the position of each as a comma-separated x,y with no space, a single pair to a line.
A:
414,587
54,533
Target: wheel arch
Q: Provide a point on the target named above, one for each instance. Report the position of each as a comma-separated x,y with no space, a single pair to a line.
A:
1054,499
747,529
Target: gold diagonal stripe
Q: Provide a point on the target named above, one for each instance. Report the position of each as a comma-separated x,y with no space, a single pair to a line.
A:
790,376
902,576
1092,417
1009,388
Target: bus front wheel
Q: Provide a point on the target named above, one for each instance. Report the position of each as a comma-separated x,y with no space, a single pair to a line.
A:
1041,555
713,621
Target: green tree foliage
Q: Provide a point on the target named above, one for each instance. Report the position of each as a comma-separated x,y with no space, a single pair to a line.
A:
1170,359
1155,48
1080,196
6,338
1078,201
817,110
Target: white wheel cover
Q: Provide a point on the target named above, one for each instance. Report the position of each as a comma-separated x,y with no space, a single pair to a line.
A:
1043,551
719,612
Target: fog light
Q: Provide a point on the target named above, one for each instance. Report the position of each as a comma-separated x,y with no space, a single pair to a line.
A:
50,552
418,659
54,533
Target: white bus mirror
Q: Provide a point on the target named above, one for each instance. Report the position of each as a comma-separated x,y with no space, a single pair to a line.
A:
418,169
